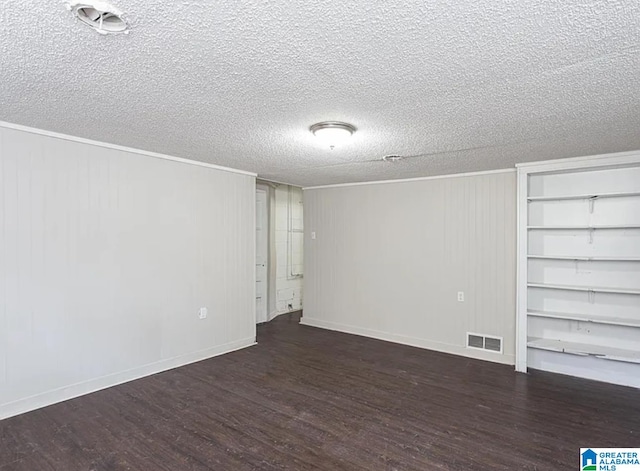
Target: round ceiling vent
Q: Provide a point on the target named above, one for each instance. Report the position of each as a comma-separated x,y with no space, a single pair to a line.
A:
101,16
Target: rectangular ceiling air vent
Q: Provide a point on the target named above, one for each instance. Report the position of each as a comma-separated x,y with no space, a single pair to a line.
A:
484,342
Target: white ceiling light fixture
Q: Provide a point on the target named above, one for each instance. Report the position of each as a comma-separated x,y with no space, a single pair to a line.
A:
101,16
333,133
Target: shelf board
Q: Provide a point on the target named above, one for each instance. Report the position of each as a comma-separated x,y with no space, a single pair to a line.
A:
629,226
599,289
596,319
583,349
585,259
587,196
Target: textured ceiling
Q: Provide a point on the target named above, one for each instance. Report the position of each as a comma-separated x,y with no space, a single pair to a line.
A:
239,83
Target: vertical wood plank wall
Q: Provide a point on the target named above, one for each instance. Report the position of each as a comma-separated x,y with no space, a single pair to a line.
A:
389,259
105,259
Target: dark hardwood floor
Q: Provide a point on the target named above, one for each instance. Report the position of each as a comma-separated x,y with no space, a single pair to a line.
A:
306,398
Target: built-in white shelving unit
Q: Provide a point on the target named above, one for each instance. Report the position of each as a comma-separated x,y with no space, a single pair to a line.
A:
579,267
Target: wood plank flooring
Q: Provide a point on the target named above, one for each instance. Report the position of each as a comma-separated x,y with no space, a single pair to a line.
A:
309,399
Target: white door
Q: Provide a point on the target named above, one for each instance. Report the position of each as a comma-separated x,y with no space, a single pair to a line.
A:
262,250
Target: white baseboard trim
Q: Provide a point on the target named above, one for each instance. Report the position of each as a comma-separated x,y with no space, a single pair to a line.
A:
507,359
65,393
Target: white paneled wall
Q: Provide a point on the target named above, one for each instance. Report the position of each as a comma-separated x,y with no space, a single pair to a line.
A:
389,259
289,248
106,257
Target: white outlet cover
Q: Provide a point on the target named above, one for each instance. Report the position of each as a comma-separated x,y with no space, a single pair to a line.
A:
461,296
203,313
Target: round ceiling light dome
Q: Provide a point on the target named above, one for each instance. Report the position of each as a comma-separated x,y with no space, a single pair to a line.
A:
333,133
101,16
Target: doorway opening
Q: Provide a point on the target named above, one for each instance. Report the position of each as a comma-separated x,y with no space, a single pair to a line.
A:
279,250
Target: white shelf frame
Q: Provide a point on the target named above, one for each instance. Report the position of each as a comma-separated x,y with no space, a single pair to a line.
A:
591,318
574,348
620,159
594,289
588,228
593,196
579,258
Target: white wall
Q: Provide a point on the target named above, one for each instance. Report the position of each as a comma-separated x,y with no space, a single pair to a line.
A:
389,260
288,221
106,257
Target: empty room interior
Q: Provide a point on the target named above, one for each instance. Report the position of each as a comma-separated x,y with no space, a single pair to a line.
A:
268,235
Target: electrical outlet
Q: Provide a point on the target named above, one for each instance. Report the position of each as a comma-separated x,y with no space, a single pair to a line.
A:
313,236
202,314
461,296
